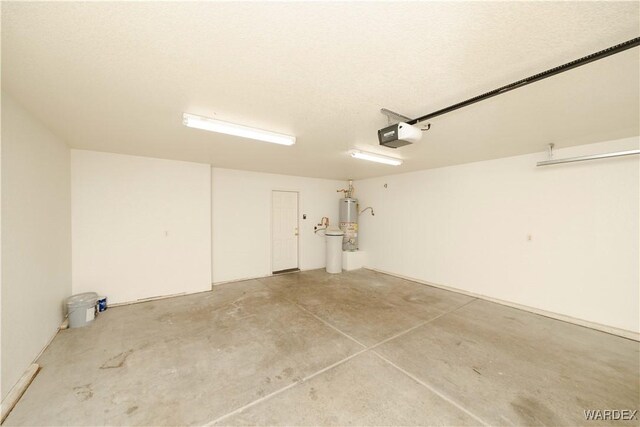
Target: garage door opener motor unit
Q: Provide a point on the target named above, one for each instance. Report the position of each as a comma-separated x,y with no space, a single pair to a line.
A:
399,135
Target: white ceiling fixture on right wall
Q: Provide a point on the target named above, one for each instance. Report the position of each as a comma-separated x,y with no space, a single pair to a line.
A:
119,84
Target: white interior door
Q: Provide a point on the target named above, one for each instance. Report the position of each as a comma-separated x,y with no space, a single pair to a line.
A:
284,246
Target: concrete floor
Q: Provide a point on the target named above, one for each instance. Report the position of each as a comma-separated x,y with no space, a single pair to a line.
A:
359,348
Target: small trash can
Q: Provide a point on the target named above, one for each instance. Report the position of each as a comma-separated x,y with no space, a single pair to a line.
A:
81,309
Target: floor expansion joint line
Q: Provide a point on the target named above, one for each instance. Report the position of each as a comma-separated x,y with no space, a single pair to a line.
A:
328,324
420,324
386,339
364,349
433,390
283,389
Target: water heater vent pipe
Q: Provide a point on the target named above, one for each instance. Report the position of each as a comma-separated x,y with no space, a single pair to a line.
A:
348,193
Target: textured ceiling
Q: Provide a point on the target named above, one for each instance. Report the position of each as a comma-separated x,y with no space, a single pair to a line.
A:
117,76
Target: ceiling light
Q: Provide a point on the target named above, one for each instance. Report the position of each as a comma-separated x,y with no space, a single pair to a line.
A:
214,125
375,158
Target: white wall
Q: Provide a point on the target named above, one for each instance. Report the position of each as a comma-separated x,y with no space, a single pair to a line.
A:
36,238
242,220
466,227
141,227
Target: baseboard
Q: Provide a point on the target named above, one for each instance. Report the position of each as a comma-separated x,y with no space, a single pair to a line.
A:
244,279
16,392
49,342
262,277
20,384
160,297
580,322
182,294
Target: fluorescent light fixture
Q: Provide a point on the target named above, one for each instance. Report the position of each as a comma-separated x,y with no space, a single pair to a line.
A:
213,125
375,158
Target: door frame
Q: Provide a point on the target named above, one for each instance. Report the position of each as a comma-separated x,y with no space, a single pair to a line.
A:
271,218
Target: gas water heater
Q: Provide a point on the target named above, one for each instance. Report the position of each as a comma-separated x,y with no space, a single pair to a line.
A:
349,219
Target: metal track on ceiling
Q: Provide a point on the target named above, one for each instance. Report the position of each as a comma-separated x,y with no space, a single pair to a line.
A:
536,77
